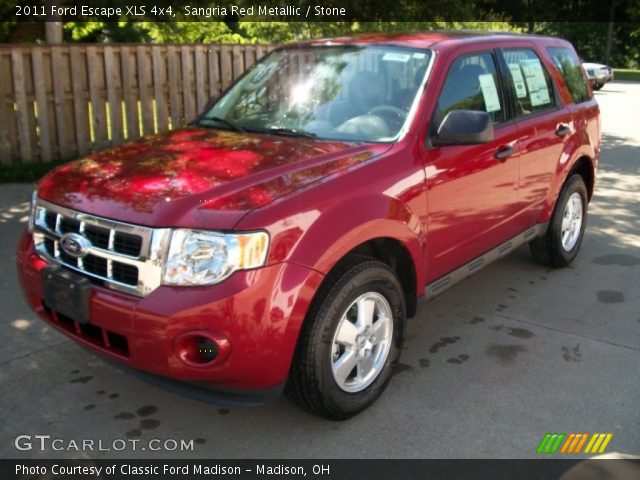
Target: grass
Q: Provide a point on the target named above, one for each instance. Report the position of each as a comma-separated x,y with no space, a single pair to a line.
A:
626,74
25,172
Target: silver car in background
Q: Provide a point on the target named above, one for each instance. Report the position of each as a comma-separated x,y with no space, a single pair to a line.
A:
598,74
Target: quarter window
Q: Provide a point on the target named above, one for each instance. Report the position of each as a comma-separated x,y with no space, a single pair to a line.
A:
472,84
532,87
567,63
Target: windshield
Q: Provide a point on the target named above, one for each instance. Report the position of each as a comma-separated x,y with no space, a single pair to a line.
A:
357,93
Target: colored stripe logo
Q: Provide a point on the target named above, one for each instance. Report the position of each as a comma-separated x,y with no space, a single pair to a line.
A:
573,443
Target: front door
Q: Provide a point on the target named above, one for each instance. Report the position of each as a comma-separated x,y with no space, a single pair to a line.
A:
472,189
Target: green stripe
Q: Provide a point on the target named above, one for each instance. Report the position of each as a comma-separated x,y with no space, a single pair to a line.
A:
558,442
541,447
551,442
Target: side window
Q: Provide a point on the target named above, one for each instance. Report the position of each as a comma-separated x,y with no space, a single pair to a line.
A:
532,86
472,84
567,63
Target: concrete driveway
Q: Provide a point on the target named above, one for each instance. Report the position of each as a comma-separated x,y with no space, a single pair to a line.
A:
488,368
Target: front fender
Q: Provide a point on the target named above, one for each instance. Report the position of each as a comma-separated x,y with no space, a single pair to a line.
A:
319,239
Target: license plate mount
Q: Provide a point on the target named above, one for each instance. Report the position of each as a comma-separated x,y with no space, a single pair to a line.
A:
66,292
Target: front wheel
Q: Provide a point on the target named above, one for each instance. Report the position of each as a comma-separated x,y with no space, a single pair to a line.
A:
560,245
351,339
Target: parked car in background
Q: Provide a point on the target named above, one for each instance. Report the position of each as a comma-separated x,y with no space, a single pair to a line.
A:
598,74
282,239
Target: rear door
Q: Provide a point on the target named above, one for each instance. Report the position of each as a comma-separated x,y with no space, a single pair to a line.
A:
472,189
583,105
544,125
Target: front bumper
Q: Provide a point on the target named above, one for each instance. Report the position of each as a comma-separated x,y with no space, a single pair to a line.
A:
259,313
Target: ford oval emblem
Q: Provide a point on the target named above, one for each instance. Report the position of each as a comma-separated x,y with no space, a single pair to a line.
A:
75,245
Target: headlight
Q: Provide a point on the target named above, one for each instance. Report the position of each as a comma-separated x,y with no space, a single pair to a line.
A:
202,258
32,211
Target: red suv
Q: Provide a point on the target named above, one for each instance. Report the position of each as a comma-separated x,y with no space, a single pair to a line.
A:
283,238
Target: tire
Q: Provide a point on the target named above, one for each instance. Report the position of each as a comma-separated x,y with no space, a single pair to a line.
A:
552,249
312,384
598,86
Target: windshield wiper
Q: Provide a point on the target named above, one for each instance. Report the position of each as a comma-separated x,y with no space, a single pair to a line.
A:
293,132
232,125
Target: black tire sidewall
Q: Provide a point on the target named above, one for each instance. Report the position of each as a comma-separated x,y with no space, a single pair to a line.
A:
573,185
374,279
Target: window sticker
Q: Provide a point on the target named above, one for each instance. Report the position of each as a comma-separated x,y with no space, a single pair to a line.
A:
518,80
536,82
489,92
419,55
396,57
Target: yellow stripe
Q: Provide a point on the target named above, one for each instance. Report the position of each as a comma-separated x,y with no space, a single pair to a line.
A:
596,445
584,439
566,443
607,439
590,444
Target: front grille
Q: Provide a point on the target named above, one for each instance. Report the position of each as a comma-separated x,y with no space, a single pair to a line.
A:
127,244
98,236
121,256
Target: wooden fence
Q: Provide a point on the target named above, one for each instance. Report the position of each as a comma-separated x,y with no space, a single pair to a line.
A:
58,102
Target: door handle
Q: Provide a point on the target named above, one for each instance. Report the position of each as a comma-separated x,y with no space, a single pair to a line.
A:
563,130
504,152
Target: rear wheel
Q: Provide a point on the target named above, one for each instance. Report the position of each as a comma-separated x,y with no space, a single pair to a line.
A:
560,245
350,340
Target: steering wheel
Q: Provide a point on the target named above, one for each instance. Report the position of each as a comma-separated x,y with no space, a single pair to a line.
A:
390,112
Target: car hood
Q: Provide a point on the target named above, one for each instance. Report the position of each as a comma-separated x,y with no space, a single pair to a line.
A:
593,66
195,177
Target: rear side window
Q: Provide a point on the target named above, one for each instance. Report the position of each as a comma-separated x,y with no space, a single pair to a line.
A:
532,86
472,84
567,63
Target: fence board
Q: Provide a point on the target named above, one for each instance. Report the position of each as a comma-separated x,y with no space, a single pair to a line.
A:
60,101
214,73
175,87
187,86
43,108
226,67
129,83
95,66
144,86
6,111
159,75
113,99
238,62
17,66
80,107
200,59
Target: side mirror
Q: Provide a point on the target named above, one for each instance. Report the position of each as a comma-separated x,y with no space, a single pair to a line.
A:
464,127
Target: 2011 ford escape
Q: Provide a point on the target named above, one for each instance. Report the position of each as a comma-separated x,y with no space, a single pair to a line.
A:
284,237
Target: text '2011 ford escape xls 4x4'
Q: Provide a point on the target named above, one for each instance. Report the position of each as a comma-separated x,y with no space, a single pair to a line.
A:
282,239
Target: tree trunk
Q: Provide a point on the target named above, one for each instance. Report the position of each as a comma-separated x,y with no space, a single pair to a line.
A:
53,32
607,51
53,25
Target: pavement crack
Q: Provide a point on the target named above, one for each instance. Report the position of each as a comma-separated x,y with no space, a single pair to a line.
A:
27,355
599,340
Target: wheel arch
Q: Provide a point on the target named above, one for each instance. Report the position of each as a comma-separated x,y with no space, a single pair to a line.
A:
584,166
397,257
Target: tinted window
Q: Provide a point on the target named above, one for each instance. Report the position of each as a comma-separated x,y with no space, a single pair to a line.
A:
532,87
567,63
472,84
